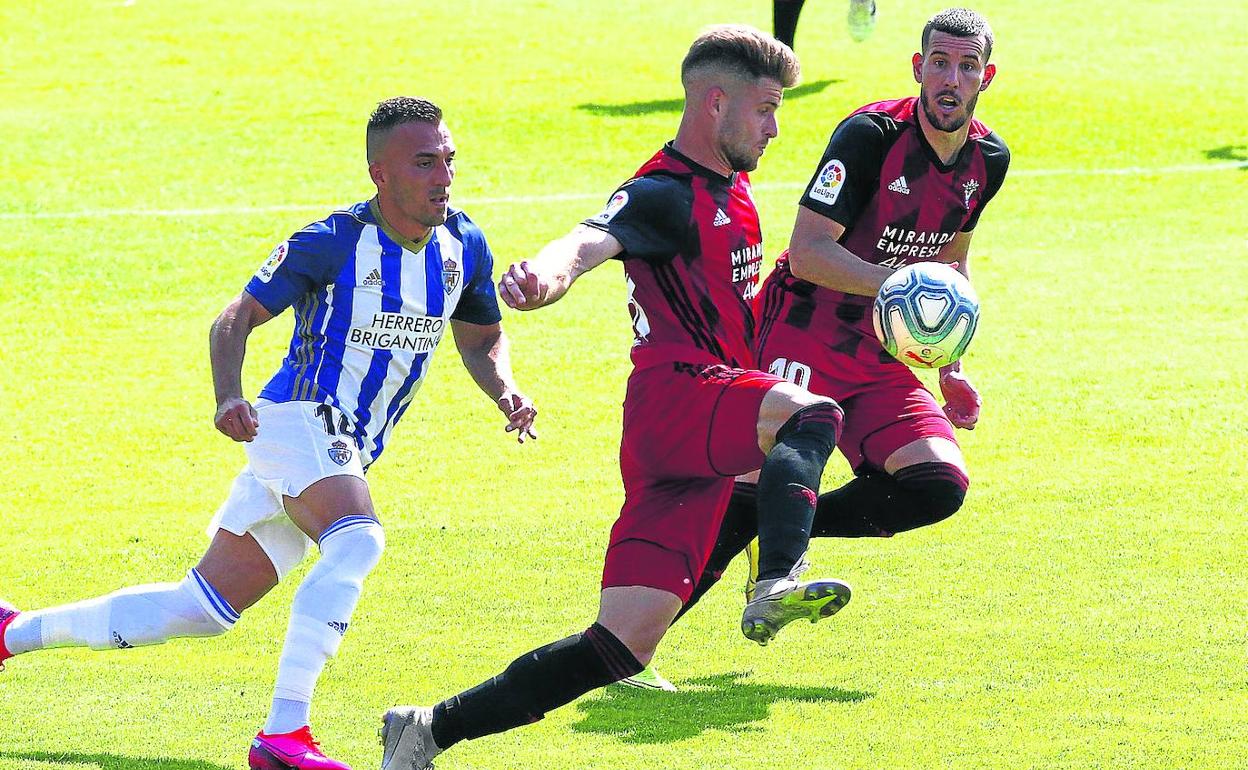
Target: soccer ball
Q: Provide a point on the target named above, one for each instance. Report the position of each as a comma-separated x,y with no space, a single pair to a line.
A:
926,314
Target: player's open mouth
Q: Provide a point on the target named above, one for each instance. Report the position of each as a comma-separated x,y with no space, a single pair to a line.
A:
947,102
440,200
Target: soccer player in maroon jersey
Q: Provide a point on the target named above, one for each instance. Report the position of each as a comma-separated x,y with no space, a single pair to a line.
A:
901,181
696,412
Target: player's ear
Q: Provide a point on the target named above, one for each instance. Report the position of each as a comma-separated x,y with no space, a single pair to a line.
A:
990,72
716,100
377,174
916,61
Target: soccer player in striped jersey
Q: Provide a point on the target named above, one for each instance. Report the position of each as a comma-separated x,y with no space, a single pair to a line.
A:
901,181
696,412
374,287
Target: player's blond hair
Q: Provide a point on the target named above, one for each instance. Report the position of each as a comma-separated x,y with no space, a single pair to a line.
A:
744,51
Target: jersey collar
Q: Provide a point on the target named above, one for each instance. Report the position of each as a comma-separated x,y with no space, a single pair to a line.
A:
392,234
698,168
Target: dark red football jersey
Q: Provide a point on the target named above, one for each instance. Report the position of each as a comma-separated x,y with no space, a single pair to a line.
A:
692,252
899,204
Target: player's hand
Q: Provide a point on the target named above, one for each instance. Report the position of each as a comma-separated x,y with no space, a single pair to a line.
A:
962,401
521,414
521,288
237,419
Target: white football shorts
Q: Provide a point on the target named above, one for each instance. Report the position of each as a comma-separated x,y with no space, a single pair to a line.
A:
292,450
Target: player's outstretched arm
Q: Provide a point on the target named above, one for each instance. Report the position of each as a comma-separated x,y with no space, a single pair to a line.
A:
544,279
485,353
962,401
817,257
227,344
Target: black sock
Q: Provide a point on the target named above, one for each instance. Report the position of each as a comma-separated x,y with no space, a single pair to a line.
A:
788,486
784,15
739,528
533,684
876,504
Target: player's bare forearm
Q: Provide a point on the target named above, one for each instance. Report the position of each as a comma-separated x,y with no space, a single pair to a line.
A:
832,266
485,352
816,255
547,277
227,346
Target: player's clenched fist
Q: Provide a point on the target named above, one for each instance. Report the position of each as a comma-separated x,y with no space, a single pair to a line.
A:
521,288
237,419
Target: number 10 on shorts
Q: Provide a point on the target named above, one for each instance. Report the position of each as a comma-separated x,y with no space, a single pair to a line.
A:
793,371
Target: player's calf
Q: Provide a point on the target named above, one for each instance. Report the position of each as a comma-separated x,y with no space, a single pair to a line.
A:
132,617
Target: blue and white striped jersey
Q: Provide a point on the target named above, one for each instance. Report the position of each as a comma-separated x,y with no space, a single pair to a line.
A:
370,308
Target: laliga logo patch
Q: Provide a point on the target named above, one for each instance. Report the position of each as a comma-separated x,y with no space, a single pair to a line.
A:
339,452
827,185
276,257
968,190
617,202
450,275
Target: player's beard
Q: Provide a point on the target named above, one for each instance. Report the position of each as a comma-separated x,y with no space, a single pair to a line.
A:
954,122
740,158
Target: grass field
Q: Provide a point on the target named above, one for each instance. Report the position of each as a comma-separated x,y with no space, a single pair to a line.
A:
1086,609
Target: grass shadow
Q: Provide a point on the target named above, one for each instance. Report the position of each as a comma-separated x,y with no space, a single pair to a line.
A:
112,761
634,109
719,702
1238,152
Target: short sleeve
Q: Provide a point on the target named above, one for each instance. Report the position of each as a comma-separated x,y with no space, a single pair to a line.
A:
297,266
996,164
649,216
478,303
848,172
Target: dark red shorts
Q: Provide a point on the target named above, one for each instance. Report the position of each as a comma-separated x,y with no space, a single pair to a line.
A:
689,429
886,406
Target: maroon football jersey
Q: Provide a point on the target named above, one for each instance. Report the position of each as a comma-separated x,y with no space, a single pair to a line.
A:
692,252
899,204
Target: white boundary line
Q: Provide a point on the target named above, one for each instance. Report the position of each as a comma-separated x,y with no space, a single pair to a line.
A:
556,197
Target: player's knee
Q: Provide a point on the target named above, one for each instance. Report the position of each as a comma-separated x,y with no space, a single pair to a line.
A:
218,615
817,424
937,489
354,540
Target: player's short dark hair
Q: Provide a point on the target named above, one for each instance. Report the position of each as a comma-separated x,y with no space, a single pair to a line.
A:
395,112
743,50
959,22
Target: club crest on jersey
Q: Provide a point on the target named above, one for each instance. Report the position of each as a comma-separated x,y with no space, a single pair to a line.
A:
617,202
828,182
276,257
450,275
968,190
339,452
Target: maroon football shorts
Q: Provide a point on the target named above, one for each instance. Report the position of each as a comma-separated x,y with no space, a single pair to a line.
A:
886,406
688,430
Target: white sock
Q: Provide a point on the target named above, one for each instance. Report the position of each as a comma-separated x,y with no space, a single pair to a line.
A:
350,548
131,617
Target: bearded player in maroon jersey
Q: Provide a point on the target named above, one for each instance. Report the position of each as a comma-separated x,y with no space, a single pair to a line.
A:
696,412
901,181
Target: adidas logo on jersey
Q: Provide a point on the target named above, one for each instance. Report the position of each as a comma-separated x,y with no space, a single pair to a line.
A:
721,218
899,185
373,278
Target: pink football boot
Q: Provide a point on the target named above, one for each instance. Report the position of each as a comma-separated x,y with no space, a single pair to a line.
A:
7,613
290,751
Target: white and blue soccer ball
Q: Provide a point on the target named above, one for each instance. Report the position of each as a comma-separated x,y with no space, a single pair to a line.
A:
926,314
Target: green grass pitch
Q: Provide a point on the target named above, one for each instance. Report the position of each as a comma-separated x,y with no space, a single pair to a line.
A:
1086,609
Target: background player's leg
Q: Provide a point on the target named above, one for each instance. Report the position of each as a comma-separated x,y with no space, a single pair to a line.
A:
784,15
631,621
923,482
739,527
233,575
337,513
